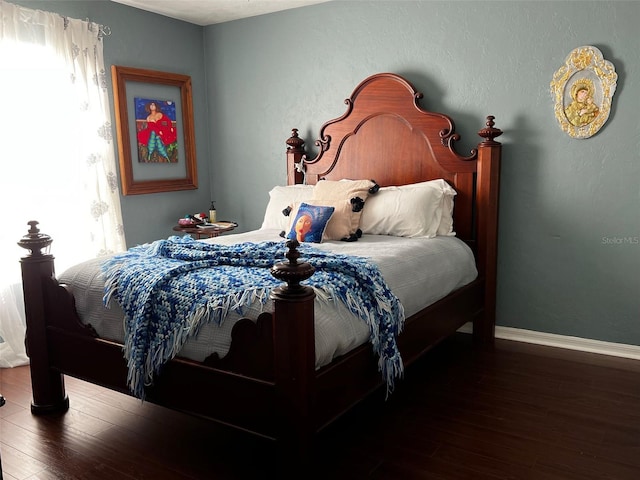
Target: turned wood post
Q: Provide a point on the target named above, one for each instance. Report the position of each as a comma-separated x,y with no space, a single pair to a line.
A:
488,187
37,268
295,357
295,156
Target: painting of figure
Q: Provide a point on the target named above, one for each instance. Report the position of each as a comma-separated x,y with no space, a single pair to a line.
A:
583,90
582,110
156,131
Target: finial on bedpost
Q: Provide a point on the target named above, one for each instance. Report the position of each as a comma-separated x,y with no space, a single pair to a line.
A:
294,142
489,133
295,155
34,241
292,272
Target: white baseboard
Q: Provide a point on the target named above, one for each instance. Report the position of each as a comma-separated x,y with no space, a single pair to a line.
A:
563,341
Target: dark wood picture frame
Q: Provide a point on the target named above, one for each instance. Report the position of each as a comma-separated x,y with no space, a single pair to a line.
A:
123,76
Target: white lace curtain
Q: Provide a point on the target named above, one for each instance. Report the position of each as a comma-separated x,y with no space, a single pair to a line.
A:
57,160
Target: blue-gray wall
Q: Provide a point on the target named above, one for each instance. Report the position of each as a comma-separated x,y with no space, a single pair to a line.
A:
568,207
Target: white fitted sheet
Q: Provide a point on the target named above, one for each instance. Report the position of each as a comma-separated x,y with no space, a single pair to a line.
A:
419,271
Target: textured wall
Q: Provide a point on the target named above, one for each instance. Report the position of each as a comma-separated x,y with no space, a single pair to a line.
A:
565,202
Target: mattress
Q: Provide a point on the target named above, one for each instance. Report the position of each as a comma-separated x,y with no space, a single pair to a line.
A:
419,271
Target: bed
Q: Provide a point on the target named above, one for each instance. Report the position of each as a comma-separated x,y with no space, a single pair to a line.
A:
269,381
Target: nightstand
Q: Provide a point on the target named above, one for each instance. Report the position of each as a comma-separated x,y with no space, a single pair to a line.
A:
206,231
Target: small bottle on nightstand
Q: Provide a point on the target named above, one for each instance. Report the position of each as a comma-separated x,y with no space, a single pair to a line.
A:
212,213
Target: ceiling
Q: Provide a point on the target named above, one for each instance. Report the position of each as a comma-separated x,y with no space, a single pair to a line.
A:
208,12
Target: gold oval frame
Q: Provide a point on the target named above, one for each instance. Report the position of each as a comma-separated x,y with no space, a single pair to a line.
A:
585,70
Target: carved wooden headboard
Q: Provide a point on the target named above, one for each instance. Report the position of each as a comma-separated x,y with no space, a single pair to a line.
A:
386,136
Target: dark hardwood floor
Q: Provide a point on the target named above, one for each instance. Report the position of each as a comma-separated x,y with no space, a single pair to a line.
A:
516,411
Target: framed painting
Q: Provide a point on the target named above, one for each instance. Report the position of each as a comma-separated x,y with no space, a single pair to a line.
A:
154,125
583,90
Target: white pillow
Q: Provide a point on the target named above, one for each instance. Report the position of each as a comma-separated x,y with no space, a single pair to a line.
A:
417,210
446,222
281,197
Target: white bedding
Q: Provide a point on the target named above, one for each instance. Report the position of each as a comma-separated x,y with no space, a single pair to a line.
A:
419,271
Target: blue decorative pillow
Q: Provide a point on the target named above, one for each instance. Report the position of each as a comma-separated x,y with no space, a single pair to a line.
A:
310,222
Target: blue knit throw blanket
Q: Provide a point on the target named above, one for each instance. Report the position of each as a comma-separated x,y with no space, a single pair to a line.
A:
169,288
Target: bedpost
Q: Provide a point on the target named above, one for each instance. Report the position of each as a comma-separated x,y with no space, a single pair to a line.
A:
295,153
295,357
488,190
37,267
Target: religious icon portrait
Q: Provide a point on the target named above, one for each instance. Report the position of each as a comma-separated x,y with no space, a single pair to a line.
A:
583,89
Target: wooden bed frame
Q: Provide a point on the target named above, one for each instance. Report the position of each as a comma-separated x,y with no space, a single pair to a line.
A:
276,391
